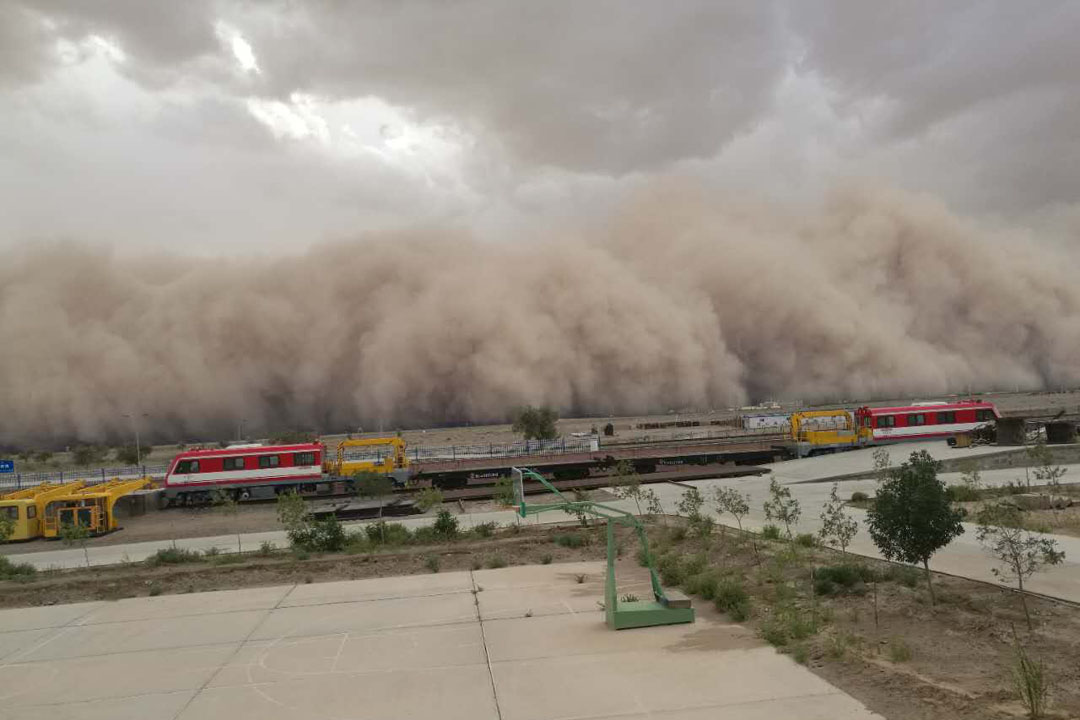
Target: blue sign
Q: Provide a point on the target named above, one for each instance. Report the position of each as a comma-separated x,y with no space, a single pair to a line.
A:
7,466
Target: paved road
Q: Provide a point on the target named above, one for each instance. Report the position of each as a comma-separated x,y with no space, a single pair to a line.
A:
962,557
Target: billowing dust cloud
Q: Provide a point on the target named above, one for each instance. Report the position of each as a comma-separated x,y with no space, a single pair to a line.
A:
678,302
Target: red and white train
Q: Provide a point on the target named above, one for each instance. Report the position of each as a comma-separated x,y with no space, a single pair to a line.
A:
922,421
249,471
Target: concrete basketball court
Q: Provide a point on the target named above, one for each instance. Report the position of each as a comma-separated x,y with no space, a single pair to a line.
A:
521,643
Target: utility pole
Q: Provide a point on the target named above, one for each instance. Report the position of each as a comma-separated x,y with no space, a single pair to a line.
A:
240,430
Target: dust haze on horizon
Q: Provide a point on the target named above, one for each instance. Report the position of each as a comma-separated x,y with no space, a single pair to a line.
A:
321,215
677,302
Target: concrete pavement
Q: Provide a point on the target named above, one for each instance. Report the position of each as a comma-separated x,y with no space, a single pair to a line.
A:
456,646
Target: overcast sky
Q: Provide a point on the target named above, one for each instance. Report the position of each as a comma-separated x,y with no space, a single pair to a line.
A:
210,126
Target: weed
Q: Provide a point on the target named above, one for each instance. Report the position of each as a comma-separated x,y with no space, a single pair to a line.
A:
800,654
731,598
771,532
843,579
643,557
962,493
173,556
476,564
903,574
301,554
546,559
677,535
787,624
1029,677
528,613
11,571
308,580
425,536
581,578
629,597
155,590
859,497
357,543
266,549
695,564
898,650
431,562
496,561
805,540
484,530
839,644
227,559
212,552
573,540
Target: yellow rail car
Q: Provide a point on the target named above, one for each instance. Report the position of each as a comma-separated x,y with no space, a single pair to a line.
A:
817,431
384,456
92,507
26,507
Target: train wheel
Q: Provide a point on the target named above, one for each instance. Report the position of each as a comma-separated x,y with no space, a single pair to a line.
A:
244,495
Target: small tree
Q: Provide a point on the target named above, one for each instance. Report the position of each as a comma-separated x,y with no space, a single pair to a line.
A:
609,430
782,507
912,517
580,496
730,501
130,455
1019,553
536,423
653,504
294,515
76,534
882,464
84,455
429,498
690,505
970,476
374,486
1046,471
504,491
628,483
837,528
223,503
43,456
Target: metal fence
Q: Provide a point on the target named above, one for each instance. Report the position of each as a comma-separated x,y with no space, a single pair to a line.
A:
17,481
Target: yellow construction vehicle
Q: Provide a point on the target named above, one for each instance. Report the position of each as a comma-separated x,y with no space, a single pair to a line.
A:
92,507
816,431
384,456
26,507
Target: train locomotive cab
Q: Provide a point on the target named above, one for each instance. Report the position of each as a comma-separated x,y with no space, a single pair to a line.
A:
244,472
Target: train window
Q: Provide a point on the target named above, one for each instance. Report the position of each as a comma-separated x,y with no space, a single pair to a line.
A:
984,415
31,512
269,461
187,466
236,463
12,511
886,421
916,419
304,458
946,417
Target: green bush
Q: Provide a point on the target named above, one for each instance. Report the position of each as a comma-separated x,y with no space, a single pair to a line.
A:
425,535
384,533
357,543
496,561
962,493
842,579
324,535
446,525
173,556
704,584
212,552
12,571
573,540
266,549
677,534
771,532
731,598
899,650
643,557
786,625
859,496
431,562
546,559
670,568
485,530
805,540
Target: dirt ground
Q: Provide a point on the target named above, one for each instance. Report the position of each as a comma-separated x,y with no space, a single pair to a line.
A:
883,642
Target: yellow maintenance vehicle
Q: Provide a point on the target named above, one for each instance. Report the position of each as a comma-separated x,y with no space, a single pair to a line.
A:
383,456
90,506
820,431
26,507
